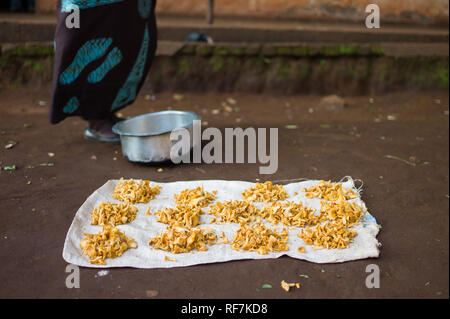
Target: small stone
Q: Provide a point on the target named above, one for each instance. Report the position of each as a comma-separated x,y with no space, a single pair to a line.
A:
332,103
231,101
102,273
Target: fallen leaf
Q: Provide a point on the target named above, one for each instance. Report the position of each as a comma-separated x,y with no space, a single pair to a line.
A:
167,258
10,168
10,144
413,159
151,293
47,164
304,276
392,117
400,159
291,126
178,97
266,286
159,170
51,154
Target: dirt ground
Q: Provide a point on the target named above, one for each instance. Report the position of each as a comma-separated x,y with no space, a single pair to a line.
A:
398,144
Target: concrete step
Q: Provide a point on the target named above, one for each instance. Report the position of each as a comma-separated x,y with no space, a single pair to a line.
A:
28,28
299,50
307,68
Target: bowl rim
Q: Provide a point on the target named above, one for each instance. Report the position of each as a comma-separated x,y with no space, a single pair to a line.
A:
116,128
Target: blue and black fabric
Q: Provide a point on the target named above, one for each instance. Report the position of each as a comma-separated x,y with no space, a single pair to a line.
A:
100,67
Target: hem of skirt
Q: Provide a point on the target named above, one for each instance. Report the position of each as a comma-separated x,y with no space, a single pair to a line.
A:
55,119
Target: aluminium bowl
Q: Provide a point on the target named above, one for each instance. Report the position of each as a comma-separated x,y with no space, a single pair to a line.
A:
146,138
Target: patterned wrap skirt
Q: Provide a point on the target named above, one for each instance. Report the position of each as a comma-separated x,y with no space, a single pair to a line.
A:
100,67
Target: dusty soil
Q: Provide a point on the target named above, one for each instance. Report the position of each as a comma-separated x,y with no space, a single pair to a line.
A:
410,201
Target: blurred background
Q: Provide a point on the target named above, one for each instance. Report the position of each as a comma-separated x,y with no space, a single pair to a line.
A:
407,11
313,46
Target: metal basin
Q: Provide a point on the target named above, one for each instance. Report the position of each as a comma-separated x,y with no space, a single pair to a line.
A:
146,138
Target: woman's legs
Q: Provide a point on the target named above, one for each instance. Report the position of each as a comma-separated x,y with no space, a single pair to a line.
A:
100,67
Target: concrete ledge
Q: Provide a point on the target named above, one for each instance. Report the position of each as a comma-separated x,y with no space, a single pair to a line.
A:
274,68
